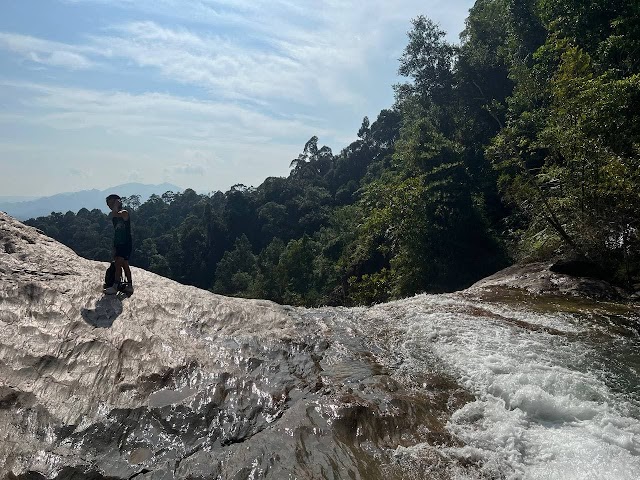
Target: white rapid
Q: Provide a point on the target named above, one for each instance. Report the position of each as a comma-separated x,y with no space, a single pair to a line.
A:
556,393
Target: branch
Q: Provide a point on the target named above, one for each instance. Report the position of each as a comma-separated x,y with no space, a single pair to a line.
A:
493,115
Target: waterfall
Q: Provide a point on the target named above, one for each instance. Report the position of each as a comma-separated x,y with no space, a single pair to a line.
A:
176,382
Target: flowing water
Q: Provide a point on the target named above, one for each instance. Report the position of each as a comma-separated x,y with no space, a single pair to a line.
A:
555,385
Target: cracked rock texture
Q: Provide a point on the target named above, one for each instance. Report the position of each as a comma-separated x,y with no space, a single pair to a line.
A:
176,382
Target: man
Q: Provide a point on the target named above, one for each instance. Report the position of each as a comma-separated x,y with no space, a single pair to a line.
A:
122,244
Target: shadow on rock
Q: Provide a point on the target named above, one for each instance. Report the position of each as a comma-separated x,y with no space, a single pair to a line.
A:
107,309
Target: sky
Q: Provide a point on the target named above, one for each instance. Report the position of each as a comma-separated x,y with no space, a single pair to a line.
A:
204,94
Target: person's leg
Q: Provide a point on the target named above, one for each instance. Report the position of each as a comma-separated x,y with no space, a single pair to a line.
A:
127,271
113,289
129,286
119,265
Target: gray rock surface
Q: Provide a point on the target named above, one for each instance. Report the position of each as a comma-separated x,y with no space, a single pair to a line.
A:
176,382
538,278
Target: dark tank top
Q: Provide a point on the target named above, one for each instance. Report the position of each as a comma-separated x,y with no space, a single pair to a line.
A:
122,235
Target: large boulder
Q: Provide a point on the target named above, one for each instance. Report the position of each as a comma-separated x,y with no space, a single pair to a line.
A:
176,382
554,278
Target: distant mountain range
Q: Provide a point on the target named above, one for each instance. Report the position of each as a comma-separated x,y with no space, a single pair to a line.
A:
29,207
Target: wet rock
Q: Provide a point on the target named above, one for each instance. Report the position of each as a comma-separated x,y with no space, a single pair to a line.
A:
176,382
576,278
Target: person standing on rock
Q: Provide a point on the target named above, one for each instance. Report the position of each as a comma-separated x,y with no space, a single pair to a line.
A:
122,244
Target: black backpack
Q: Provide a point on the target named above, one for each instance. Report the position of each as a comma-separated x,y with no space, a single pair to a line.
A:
110,275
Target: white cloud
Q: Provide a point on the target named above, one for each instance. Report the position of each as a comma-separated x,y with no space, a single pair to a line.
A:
135,176
307,69
305,52
186,169
63,59
77,172
45,52
166,116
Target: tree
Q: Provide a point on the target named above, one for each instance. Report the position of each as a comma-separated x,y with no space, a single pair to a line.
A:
193,246
296,270
236,269
428,61
568,155
313,161
131,202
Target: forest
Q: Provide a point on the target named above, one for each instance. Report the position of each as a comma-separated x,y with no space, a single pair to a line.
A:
519,143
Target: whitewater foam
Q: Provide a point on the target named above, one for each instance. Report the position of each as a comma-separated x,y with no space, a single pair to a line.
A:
541,410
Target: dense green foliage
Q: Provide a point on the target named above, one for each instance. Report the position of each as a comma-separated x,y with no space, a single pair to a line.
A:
568,156
520,142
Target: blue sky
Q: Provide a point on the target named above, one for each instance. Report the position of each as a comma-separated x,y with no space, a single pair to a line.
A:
200,93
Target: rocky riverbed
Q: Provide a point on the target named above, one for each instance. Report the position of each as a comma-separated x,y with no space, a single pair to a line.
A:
498,381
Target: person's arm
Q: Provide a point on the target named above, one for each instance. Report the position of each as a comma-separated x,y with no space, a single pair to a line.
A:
122,214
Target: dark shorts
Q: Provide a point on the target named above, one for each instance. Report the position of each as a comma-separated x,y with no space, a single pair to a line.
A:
123,251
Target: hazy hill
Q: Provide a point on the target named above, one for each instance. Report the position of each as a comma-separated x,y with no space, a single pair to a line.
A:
74,201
